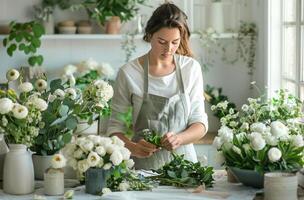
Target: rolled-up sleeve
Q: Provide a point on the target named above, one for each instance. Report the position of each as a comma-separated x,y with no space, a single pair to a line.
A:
197,100
120,104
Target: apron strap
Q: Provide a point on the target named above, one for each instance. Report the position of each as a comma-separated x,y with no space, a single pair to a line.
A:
146,77
179,73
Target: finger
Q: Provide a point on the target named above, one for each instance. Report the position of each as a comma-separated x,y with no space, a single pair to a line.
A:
147,144
167,136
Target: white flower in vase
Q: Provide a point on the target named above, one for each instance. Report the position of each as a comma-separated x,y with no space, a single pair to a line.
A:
41,85
258,143
107,166
87,146
297,140
278,129
226,134
12,75
274,154
25,87
20,111
58,161
126,153
78,154
258,127
130,163
116,158
83,165
87,65
93,159
6,105
40,104
117,141
100,150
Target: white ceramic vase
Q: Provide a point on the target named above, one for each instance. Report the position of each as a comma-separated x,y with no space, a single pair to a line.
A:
49,24
83,128
18,172
41,163
217,17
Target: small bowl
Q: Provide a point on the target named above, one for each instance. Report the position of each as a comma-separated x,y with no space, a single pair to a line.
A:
84,29
69,23
67,29
4,29
83,23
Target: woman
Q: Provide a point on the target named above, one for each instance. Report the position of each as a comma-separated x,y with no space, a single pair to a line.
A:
165,89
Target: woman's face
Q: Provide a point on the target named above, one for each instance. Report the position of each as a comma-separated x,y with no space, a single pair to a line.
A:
165,42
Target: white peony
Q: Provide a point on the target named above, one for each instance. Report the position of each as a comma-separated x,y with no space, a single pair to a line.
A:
116,140
6,105
41,85
100,150
93,159
271,140
130,163
105,70
274,154
253,135
110,148
20,111
71,93
258,127
12,75
40,104
107,166
217,142
297,140
106,190
278,129
116,158
126,153
25,87
123,186
258,143
104,141
59,93
226,134
58,161
83,165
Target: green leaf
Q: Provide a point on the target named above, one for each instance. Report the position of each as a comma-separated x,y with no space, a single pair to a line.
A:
55,84
71,123
66,138
38,30
63,111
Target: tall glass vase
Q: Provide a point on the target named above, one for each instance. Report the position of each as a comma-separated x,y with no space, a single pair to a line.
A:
18,171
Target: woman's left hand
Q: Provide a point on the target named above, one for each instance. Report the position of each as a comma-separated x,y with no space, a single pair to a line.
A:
171,141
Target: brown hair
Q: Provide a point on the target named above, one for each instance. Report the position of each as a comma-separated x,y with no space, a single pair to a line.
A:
170,16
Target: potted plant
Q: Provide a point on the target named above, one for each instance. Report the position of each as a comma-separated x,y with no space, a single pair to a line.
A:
263,136
57,124
20,119
25,37
111,13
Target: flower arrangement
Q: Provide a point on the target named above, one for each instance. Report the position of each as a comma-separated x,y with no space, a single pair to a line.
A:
58,161
21,115
263,136
105,153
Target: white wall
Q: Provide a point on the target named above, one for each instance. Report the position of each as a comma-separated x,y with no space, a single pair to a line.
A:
59,52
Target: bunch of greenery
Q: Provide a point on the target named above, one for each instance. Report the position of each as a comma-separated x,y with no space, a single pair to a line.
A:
25,37
183,173
214,96
152,137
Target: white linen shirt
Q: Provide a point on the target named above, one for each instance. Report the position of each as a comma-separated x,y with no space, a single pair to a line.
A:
130,81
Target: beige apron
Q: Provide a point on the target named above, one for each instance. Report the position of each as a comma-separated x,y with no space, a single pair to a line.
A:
163,115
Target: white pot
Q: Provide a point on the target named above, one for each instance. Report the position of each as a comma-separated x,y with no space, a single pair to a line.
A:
54,183
280,186
18,172
83,128
41,163
49,25
217,17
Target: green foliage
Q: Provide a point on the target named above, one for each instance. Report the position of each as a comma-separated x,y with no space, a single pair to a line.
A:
152,137
126,118
83,81
101,10
183,173
25,37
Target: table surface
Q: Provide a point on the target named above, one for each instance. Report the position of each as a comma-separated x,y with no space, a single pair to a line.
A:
236,191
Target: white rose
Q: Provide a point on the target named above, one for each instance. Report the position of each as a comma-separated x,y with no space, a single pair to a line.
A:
19,111
87,146
59,93
116,158
107,166
100,150
258,143
126,153
6,105
123,186
258,127
12,75
58,161
71,93
297,140
93,159
69,69
219,158
110,148
40,104
278,129
130,163
105,70
226,134
41,85
100,163
274,154
106,190
78,154
83,165
25,87
104,141
117,141
217,142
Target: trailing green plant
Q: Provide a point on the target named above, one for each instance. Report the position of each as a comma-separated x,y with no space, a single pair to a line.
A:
128,45
152,137
101,10
25,37
126,118
214,96
183,173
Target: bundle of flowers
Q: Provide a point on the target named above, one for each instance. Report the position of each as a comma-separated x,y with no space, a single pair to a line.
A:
106,153
263,136
21,115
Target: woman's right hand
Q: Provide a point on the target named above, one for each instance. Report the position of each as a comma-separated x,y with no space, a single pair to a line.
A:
143,149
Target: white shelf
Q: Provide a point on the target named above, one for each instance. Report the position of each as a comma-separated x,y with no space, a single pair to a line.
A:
114,37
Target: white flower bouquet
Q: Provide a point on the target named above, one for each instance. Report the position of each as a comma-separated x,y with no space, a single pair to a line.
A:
106,153
263,136
20,115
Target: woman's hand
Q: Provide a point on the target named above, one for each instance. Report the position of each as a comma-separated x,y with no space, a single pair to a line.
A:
143,149
171,141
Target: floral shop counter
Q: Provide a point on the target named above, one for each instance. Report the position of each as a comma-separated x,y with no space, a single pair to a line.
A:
221,190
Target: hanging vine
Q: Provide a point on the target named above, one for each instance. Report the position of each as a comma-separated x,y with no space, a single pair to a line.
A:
128,45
